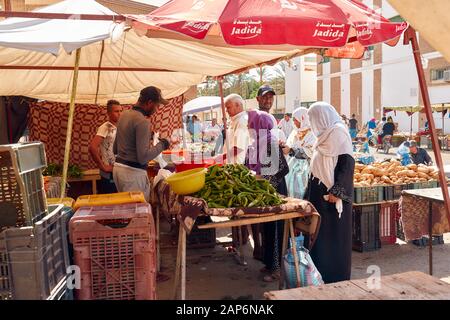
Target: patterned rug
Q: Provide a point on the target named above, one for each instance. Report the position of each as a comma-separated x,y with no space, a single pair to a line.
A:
48,123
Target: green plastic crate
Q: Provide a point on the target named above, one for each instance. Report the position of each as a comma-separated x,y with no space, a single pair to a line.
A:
368,194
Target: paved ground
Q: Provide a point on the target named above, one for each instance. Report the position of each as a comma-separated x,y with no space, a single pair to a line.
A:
213,273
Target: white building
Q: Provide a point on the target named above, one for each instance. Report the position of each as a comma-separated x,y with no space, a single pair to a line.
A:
386,77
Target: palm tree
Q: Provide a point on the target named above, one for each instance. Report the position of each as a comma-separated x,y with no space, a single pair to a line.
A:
262,74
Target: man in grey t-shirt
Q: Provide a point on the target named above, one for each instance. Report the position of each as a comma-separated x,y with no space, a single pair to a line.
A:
133,146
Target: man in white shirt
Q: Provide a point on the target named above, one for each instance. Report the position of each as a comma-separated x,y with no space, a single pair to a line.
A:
237,135
101,147
235,150
212,131
286,125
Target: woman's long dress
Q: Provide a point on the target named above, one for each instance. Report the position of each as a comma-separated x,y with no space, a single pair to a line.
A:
332,251
297,179
272,232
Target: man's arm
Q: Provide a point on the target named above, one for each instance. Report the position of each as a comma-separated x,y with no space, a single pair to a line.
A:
427,158
95,153
144,152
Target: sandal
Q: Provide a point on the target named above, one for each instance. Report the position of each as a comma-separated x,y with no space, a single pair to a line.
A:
264,270
272,277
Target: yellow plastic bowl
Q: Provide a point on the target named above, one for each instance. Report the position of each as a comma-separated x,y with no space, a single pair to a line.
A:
187,182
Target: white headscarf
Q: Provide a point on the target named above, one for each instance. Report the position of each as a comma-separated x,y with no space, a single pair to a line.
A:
308,141
301,115
333,140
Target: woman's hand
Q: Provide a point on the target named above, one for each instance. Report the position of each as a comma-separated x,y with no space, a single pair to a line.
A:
332,198
286,150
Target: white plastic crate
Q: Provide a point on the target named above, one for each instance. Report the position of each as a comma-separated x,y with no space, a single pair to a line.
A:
22,194
34,260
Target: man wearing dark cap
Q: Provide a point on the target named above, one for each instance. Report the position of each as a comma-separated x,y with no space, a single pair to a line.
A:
132,144
419,155
265,98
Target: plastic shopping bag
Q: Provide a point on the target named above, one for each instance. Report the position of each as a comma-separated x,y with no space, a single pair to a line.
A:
309,275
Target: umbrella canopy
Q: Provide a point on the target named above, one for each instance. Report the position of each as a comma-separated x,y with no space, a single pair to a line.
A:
430,19
308,23
48,35
201,104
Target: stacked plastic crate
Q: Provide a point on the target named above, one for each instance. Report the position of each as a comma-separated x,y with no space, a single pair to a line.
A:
113,238
366,218
33,237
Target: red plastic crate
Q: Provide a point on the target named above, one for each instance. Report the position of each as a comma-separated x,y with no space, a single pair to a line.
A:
388,226
114,246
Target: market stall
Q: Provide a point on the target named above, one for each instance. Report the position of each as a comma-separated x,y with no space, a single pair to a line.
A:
423,136
423,212
166,197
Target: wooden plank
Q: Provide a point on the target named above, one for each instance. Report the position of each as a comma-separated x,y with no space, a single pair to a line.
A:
283,252
344,290
375,203
385,292
183,263
405,286
408,286
294,252
435,287
178,265
241,222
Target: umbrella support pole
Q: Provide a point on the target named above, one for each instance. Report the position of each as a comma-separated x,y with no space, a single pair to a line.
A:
70,122
222,103
411,37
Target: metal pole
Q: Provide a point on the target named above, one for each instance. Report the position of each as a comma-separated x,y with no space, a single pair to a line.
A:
410,126
222,102
70,122
410,37
7,5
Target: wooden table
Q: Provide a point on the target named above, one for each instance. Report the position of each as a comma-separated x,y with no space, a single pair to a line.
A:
432,195
88,175
412,285
310,229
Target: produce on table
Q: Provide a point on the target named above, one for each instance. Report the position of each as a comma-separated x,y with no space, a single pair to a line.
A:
235,186
55,170
392,172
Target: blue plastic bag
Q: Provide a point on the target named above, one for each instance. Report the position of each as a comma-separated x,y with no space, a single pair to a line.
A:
297,178
309,275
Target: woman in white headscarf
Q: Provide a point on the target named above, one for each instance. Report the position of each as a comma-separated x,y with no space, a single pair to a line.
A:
330,190
299,147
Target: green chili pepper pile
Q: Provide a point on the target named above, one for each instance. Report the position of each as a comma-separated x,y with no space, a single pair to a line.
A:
235,186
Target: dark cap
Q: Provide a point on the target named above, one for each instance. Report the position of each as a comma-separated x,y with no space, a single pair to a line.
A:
412,144
265,89
152,94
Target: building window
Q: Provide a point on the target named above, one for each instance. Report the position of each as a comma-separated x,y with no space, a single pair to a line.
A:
438,74
310,59
325,60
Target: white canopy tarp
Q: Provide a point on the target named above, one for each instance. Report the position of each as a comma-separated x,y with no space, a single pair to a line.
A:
200,104
190,61
48,35
430,18
48,43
